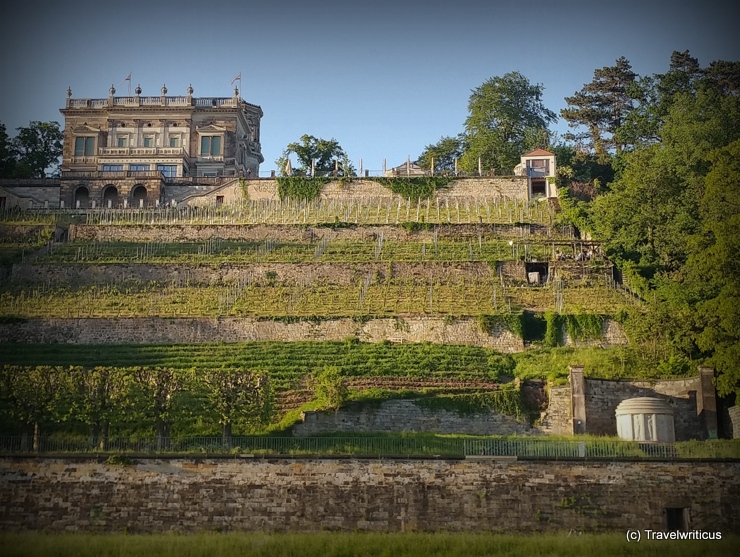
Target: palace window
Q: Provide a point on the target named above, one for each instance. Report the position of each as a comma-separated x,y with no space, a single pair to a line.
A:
169,170
210,145
148,141
122,141
174,141
138,167
112,167
84,146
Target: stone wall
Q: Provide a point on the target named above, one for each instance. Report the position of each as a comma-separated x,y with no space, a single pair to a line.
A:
405,415
28,194
153,330
190,495
501,187
300,233
557,418
734,419
603,396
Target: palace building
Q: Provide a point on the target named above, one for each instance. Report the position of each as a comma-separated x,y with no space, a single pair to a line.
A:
127,151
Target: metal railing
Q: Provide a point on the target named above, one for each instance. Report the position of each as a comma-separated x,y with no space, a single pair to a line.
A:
422,446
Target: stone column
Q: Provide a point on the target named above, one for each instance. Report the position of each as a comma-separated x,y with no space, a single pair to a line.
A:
578,399
706,401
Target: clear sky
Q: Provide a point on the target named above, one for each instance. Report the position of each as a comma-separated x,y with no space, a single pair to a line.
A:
384,78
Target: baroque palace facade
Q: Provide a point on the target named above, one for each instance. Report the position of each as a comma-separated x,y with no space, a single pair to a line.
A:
125,151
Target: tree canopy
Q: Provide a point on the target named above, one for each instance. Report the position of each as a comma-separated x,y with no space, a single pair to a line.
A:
506,118
34,151
325,154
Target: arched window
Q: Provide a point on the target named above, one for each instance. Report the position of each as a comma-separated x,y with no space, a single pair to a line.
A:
138,195
82,198
110,196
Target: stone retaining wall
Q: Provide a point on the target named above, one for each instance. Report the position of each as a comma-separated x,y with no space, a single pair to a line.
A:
603,396
405,416
300,233
190,495
153,330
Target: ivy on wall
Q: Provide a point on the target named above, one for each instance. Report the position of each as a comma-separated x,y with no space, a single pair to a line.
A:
300,187
507,401
512,322
579,326
416,187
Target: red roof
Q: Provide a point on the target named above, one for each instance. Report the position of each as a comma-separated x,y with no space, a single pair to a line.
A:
538,153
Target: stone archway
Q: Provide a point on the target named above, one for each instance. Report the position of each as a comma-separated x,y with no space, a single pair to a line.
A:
110,196
138,196
82,198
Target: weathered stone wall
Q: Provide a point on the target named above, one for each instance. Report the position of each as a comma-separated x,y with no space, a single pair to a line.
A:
405,415
557,418
299,233
734,418
27,194
196,195
603,396
232,329
612,334
189,495
502,187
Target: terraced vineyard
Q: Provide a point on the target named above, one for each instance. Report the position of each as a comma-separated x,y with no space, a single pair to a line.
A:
377,260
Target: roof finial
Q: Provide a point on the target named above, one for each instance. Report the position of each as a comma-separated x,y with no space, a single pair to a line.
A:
112,90
190,89
138,89
69,92
164,89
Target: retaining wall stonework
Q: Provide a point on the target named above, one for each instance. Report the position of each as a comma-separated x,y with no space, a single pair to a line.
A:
188,495
405,415
153,330
299,233
603,396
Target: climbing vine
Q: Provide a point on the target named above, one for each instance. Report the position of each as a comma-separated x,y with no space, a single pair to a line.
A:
416,187
300,187
512,322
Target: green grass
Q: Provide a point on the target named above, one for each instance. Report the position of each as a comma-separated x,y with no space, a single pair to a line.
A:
325,544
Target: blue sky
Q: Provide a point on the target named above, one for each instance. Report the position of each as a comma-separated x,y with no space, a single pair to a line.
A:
383,78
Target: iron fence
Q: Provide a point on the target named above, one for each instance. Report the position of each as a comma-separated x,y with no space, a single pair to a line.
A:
430,447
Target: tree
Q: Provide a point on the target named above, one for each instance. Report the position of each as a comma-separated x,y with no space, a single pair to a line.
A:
714,268
8,154
506,118
97,399
35,395
330,387
602,106
152,395
325,155
39,147
444,153
237,396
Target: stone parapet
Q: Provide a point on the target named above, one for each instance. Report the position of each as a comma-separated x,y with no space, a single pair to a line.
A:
390,495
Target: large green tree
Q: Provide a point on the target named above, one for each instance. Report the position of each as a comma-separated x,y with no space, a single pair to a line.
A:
602,106
324,154
38,147
8,154
714,268
236,396
506,118
443,154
